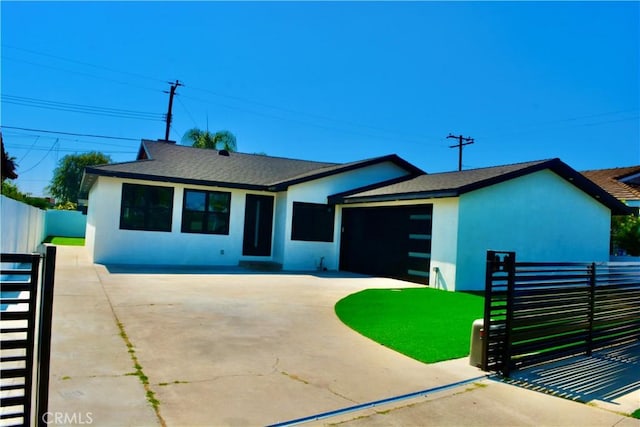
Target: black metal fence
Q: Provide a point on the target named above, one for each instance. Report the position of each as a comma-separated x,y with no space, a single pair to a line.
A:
26,301
537,312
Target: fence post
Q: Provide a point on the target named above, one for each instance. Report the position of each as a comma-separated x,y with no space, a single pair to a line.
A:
488,297
510,267
44,349
592,305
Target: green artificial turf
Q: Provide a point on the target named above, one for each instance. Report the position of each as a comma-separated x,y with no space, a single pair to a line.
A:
636,413
426,324
65,241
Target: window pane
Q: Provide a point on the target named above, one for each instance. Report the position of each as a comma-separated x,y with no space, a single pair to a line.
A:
219,202
157,219
218,223
195,200
312,222
133,218
192,222
146,207
206,212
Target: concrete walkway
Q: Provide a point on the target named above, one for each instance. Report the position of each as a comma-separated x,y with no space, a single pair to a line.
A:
252,349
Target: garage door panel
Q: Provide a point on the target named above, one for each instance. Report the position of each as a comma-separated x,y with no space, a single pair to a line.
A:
420,245
419,226
420,264
387,241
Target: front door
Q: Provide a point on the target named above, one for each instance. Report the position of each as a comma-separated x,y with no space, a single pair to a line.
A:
258,223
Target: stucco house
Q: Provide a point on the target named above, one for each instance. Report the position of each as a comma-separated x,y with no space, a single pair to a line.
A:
178,205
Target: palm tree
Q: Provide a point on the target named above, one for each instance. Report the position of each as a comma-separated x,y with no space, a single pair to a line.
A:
221,140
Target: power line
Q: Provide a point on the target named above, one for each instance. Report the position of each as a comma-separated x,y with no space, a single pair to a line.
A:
41,160
12,135
188,112
19,134
81,108
396,134
129,73
4,57
69,133
30,148
558,124
218,94
68,150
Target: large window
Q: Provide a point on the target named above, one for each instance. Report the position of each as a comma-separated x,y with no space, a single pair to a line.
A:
312,222
206,212
146,207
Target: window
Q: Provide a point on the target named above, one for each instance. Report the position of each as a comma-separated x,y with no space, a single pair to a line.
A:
312,222
146,207
206,212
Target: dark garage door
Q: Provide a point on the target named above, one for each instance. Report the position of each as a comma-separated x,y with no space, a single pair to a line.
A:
392,241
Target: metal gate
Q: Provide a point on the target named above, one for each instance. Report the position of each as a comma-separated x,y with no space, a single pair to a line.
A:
539,312
26,300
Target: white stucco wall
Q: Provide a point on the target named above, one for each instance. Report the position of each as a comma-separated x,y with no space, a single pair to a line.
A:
279,226
444,243
541,216
110,245
22,227
300,255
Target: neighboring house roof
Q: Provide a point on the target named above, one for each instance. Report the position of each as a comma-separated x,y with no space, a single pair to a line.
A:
622,183
452,184
168,162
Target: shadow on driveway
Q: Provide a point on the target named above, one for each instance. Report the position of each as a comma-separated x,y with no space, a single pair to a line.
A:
218,270
607,375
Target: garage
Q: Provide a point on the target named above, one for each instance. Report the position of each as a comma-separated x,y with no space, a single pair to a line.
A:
389,241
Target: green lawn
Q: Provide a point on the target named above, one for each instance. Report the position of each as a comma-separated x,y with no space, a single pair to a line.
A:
636,413
65,241
426,324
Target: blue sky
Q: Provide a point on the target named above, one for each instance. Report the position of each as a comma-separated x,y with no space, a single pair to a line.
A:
327,81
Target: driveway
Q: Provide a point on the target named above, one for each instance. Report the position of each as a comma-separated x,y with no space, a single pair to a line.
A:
250,349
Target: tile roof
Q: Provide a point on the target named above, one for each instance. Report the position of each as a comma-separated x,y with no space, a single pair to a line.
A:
452,184
162,161
612,181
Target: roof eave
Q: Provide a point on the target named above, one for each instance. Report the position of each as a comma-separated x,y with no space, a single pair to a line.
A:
412,170
591,188
547,164
87,181
394,197
158,178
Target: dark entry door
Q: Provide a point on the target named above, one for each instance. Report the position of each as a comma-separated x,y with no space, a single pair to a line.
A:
258,223
392,241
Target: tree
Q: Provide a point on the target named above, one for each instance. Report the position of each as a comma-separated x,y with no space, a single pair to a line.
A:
8,167
11,191
221,140
65,183
625,232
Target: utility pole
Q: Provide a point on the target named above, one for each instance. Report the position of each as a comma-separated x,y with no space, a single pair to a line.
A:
459,145
172,92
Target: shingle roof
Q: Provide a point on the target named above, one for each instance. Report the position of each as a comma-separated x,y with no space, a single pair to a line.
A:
168,162
452,184
611,180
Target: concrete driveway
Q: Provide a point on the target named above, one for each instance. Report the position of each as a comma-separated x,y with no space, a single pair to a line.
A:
252,349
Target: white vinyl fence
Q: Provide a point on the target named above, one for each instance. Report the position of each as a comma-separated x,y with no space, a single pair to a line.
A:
22,227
